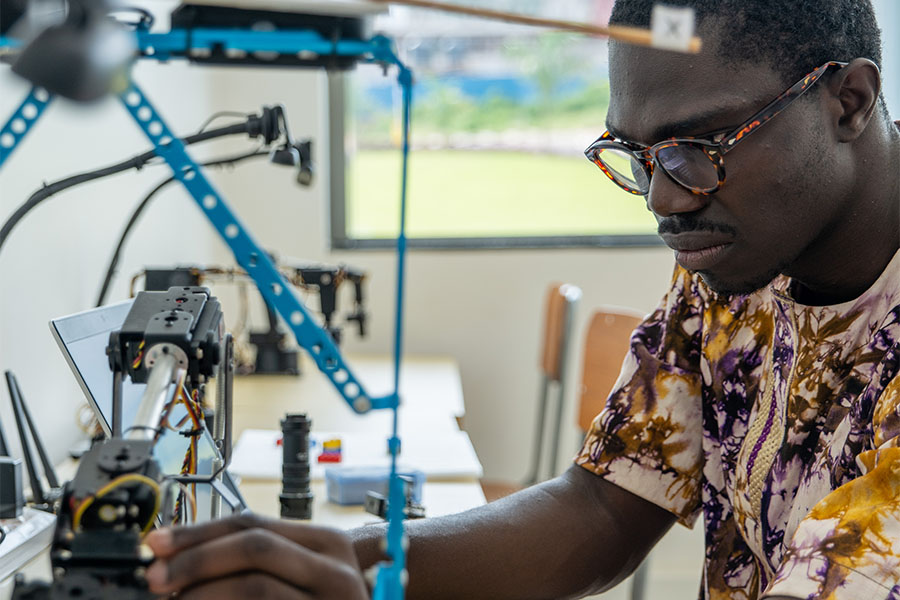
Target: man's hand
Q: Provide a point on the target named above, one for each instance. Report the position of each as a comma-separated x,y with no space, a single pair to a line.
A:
253,557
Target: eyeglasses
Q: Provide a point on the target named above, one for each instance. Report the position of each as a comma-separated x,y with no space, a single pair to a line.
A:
694,163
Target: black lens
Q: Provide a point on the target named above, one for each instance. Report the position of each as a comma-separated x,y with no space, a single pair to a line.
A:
690,166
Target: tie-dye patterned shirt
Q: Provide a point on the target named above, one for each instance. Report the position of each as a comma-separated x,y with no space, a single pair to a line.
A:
780,423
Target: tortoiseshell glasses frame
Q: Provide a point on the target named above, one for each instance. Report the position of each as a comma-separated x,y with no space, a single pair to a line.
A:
695,163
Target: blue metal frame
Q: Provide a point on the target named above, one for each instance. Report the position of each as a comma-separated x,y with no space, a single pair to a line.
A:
21,121
272,285
391,575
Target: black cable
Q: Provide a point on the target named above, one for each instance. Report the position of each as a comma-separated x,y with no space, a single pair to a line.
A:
114,262
219,115
136,162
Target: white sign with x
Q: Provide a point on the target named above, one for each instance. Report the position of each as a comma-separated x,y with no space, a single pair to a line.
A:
671,27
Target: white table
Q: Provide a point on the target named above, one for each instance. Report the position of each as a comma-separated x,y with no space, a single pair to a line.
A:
430,390
441,498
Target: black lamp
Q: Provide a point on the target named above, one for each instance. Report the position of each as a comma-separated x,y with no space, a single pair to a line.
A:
84,58
285,155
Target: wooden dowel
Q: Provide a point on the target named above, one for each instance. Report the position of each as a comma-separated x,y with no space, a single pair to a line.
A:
631,35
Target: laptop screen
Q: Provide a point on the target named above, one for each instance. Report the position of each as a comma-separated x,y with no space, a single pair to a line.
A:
83,338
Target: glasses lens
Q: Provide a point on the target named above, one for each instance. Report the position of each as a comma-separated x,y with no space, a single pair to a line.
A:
625,169
690,166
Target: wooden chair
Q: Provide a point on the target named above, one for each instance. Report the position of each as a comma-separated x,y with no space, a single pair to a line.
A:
559,309
605,346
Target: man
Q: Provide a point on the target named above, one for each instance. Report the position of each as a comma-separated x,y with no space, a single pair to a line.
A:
762,393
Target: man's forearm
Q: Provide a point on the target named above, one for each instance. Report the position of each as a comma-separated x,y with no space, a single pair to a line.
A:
563,538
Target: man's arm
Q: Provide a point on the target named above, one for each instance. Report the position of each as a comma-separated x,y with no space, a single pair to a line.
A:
564,538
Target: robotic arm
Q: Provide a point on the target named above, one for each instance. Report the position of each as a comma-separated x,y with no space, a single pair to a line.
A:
173,342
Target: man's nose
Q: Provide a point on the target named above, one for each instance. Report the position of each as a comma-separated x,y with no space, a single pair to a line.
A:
667,198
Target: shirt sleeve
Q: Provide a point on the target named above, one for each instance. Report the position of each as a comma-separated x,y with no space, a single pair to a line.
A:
848,547
647,439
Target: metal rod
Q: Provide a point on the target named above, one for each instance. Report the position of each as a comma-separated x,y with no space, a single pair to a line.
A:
222,421
534,473
229,398
116,425
4,447
215,499
159,392
219,414
37,489
631,35
557,426
49,472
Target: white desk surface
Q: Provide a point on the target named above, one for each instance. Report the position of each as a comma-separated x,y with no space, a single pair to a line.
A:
441,498
441,457
430,392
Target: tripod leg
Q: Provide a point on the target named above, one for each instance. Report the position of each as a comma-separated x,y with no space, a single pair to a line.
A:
49,472
37,489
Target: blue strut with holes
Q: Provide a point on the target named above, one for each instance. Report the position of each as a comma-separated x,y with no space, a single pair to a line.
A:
275,289
391,575
21,121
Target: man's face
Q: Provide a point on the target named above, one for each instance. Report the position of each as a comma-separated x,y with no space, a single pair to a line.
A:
780,196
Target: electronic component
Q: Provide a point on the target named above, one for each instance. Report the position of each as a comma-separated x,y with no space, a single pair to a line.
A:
172,342
185,321
296,497
12,498
347,26
274,353
159,280
377,504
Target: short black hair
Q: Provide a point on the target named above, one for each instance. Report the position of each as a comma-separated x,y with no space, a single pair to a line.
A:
791,36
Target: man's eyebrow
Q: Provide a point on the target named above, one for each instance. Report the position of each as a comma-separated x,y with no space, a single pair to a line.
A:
713,120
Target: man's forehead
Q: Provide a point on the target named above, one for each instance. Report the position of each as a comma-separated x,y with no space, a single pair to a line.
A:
655,94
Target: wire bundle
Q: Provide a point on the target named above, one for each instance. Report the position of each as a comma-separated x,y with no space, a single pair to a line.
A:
189,464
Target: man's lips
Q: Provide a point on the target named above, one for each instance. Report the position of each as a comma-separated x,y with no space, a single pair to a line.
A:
698,251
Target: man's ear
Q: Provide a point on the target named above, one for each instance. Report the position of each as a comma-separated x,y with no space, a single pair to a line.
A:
856,89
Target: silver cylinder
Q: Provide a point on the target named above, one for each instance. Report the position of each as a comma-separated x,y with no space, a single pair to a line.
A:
164,376
221,388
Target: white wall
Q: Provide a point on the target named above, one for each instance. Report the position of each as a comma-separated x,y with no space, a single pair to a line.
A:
52,263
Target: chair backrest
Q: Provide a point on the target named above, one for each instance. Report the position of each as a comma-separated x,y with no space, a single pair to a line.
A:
605,347
558,308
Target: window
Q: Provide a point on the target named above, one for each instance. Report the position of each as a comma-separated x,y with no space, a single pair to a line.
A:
501,116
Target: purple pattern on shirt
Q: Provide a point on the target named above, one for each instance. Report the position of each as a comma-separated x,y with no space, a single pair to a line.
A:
697,364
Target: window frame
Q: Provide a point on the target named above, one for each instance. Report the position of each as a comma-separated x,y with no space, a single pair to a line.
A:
340,240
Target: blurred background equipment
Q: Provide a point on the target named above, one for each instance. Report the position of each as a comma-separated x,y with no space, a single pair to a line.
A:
272,351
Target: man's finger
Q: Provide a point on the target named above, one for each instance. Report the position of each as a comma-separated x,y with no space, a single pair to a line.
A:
241,587
254,550
168,541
